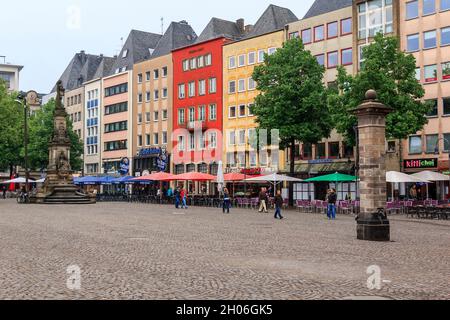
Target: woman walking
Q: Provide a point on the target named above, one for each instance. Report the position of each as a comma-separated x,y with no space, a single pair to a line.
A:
279,201
332,199
226,201
183,199
263,200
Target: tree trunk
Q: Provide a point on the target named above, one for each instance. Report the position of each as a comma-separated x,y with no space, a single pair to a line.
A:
400,154
292,173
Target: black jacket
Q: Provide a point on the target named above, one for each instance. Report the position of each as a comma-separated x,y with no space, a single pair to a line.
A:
332,198
279,201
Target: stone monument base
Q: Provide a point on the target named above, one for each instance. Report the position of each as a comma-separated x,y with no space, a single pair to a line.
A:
374,230
63,195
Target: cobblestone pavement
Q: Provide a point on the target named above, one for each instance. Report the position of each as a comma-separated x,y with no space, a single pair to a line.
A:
134,251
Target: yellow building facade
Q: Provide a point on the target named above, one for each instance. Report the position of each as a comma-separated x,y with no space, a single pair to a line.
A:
239,125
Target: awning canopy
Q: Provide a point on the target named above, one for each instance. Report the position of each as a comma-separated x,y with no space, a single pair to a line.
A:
193,176
274,178
18,180
335,177
431,176
122,180
159,176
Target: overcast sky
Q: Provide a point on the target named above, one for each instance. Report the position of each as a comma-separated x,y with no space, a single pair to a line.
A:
44,35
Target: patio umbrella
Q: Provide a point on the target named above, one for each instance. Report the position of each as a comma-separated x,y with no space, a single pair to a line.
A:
107,180
19,180
89,180
159,176
122,180
399,177
335,177
274,179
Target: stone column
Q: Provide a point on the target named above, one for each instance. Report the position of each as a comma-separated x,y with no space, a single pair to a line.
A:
373,224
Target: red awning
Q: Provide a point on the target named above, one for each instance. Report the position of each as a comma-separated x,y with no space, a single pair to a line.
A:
193,176
160,176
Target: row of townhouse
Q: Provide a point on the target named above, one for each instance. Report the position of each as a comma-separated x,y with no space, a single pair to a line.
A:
189,97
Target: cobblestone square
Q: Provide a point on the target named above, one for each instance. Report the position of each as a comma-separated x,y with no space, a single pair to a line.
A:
136,251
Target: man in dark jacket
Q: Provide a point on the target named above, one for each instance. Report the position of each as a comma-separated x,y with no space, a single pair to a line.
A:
278,205
263,201
332,199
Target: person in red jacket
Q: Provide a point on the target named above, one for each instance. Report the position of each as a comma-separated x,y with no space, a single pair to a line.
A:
183,195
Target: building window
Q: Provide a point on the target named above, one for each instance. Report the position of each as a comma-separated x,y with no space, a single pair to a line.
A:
140,97
116,145
116,108
446,104
115,90
165,114
164,72
319,33
232,112
346,26
445,36
147,140
201,62
193,64
242,137
191,115
434,110
418,74
430,73
307,151
181,91
412,42
155,139
445,5
181,118
156,116
116,127
306,36
148,96
156,95
181,145
415,145
165,93
232,87
231,62
241,85
271,51
446,71
212,85
294,35
202,113
251,84
191,89
164,137
332,60
412,10
147,76
429,39
241,60
252,58
250,109
320,151
212,140
347,56
432,143
333,150
212,112
332,30
232,140
321,59
373,17
429,7
208,59
147,117
447,142
202,87
185,65
242,110
261,55
156,74
140,78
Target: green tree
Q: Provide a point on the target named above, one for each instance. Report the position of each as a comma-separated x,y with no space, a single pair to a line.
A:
11,129
392,73
293,97
41,131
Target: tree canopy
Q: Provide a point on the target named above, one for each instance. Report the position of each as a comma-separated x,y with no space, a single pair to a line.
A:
392,73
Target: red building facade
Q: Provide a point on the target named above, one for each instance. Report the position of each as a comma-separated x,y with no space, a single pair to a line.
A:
198,107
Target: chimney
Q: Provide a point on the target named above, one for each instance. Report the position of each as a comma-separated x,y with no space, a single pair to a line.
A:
248,28
183,22
241,25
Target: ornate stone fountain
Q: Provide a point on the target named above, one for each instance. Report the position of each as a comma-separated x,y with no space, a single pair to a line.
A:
59,187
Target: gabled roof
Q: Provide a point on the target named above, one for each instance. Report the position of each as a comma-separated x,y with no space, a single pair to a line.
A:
273,19
217,28
138,47
320,7
104,68
82,68
179,34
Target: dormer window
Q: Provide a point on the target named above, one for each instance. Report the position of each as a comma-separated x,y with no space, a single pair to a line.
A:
125,53
151,51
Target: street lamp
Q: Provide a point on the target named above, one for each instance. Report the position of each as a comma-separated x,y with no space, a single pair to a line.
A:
22,101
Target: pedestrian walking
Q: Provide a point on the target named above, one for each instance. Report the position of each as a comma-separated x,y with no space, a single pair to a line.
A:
183,195
331,199
177,198
263,199
279,201
4,192
226,201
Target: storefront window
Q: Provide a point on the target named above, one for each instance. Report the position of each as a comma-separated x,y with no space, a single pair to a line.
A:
432,143
320,151
415,145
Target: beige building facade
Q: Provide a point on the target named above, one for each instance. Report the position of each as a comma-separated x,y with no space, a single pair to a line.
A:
92,122
10,74
74,103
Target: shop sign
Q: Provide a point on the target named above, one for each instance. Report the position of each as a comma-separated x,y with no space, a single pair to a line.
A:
320,161
149,152
421,164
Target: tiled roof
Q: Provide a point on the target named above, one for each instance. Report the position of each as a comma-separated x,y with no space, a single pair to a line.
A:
320,7
217,28
179,34
138,47
105,68
273,19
